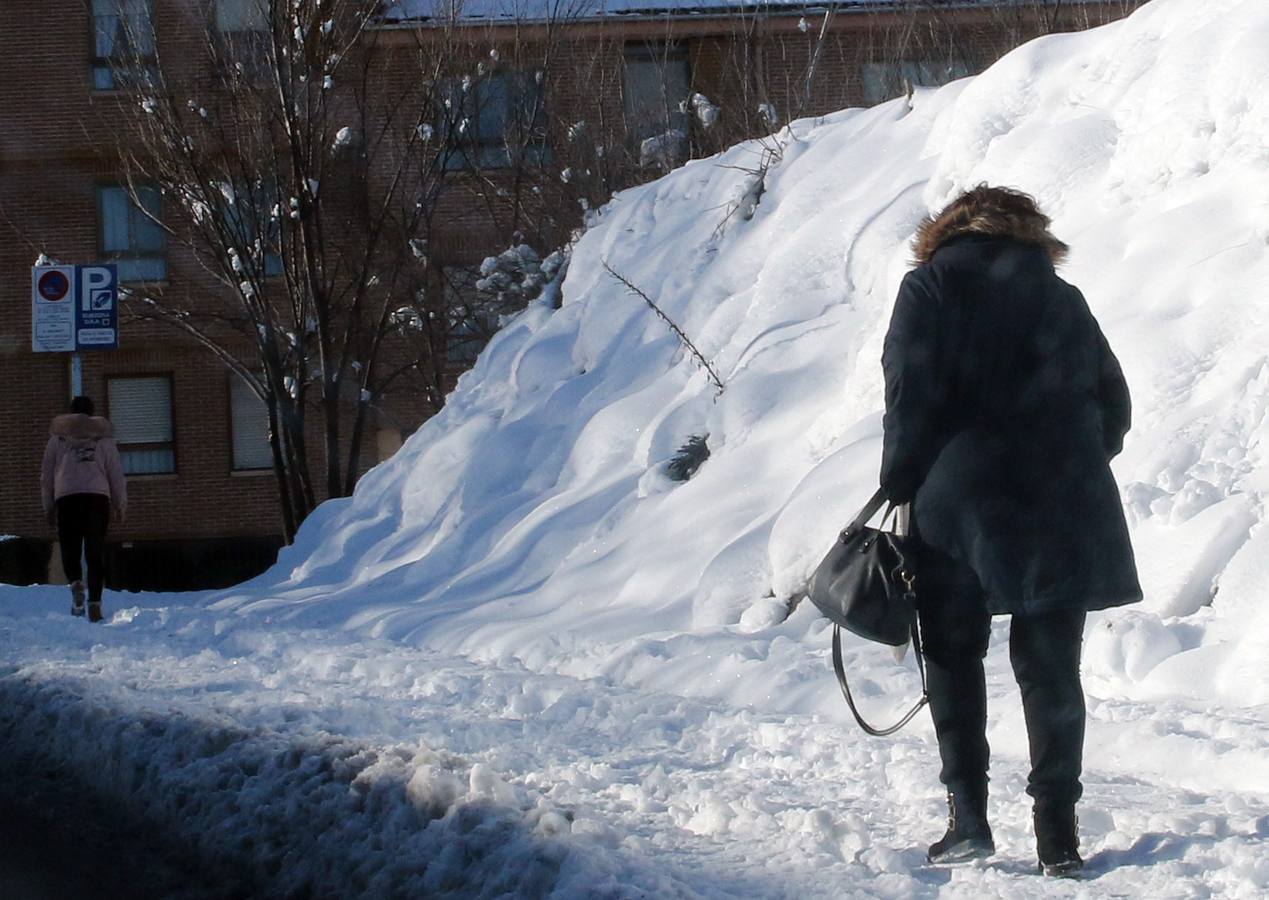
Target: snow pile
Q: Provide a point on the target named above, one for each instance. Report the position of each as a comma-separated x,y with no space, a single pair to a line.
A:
534,518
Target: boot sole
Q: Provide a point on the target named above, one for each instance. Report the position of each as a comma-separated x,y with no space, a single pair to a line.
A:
962,853
1062,870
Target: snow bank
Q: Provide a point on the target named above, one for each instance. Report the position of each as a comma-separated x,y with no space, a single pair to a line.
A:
532,517
249,748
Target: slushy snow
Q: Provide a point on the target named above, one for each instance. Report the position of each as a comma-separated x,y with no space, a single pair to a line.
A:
523,661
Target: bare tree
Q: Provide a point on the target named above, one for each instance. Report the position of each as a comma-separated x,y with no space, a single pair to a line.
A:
302,161
299,180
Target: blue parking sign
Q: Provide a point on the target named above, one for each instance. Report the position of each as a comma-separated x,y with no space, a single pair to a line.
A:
97,307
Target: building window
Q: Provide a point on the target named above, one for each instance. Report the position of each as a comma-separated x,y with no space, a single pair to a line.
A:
241,16
123,43
130,236
249,427
250,213
388,441
141,411
886,80
656,85
496,121
469,324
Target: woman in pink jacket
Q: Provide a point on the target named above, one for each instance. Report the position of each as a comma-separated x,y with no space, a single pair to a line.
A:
82,482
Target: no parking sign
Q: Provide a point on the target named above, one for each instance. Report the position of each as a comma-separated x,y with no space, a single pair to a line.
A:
74,308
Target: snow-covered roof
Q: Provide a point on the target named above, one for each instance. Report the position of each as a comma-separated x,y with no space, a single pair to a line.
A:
403,11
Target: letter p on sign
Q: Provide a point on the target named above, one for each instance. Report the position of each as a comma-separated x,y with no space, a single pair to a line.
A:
96,288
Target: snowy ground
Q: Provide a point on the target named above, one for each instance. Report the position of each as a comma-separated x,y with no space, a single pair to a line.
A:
359,767
523,660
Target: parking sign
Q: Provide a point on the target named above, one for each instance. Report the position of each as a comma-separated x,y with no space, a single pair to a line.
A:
74,308
97,312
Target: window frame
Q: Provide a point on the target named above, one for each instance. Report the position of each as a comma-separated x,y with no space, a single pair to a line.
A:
953,70
131,254
466,338
660,53
245,48
234,468
245,226
110,67
260,29
523,138
147,446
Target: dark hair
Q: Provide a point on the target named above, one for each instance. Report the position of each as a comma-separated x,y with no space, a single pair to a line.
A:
82,405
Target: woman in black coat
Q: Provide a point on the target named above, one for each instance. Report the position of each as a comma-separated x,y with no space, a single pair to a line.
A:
1004,406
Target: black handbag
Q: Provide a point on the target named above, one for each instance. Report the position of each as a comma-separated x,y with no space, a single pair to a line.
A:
867,585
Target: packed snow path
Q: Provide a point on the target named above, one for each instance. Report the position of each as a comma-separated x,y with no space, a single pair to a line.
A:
367,768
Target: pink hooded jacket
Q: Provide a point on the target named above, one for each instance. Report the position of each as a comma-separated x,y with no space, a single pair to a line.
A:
81,458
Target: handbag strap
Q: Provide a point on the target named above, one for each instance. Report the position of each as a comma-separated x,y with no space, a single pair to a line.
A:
840,668
870,509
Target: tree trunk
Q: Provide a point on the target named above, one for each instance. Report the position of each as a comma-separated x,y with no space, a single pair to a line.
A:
297,461
289,524
354,446
330,413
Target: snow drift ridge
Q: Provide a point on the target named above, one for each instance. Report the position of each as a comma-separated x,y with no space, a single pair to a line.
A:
533,518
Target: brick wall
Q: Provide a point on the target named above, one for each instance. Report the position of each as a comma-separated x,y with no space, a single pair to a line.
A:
58,145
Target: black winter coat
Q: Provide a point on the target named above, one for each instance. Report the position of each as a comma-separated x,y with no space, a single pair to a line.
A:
1004,406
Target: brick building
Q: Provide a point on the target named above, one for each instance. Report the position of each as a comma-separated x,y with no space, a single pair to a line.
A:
203,499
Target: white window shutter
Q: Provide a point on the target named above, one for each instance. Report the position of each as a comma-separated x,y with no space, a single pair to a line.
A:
250,425
141,412
141,409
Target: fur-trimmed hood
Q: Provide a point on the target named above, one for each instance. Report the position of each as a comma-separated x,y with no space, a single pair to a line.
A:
990,211
79,427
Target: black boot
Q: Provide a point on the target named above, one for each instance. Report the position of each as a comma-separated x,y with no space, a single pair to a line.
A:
968,834
1057,839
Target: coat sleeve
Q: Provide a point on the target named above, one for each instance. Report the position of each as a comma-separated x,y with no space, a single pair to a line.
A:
1112,390
1112,397
115,476
48,474
914,389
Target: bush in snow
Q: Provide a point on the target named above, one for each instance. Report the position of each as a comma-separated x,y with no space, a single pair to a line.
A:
667,150
706,112
517,276
690,457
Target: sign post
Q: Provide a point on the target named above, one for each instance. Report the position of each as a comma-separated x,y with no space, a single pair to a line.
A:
74,308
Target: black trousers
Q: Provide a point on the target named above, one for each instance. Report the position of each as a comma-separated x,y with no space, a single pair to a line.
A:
82,520
1045,653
